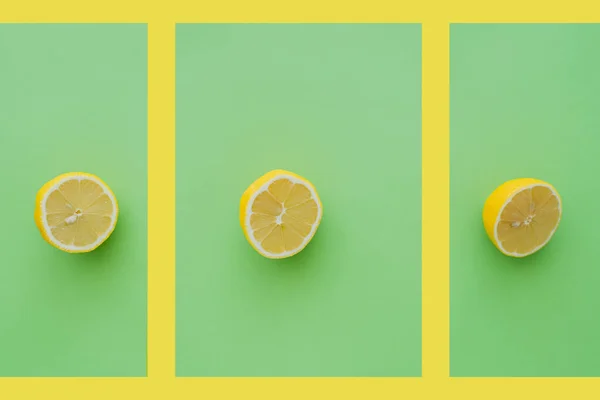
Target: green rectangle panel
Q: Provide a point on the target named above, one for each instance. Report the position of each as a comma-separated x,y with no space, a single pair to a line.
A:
524,103
72,98
339,104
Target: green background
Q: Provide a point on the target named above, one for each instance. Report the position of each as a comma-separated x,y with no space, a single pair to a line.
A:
72,97
341,106
524,103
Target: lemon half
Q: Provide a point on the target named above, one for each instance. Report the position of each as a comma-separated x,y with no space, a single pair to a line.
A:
521,216
76,212
280,213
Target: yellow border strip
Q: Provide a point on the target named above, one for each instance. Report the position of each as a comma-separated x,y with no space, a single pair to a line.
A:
436,199
161,200
181,11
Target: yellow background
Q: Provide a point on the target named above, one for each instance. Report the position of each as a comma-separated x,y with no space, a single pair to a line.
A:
435,17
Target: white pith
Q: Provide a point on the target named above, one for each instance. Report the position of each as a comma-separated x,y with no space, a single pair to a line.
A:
265,188
514,254
48,229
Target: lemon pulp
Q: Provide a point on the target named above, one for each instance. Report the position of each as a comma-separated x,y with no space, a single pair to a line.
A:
76,212
280,213
522,215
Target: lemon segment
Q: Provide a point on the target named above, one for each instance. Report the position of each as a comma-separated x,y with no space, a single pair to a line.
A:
280,213
76,212
521,216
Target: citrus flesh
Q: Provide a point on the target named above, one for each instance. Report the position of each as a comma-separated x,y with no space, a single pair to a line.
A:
76,212
280,213
522,215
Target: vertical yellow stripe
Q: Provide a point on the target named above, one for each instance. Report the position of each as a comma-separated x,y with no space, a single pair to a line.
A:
161,199
436,197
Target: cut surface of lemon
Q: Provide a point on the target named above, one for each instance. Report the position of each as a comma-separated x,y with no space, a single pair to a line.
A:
280,213
521,216
76,212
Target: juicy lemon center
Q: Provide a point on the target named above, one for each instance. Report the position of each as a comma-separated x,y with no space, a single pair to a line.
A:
283,216
78,212
528,220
